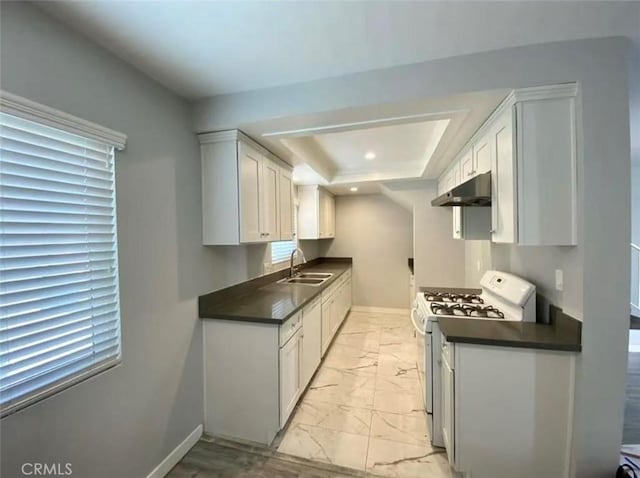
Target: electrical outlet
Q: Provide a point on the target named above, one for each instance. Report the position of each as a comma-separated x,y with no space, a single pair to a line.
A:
559,280
478,266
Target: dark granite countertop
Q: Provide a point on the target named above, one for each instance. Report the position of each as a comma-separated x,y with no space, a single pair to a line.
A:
563,333
270,302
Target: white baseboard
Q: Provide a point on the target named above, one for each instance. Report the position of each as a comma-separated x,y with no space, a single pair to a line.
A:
379,310
177,454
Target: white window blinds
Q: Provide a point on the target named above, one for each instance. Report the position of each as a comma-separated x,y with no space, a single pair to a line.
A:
281,251
59,303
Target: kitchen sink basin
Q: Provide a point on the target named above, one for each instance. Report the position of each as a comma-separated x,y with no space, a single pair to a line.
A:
304,281
315,275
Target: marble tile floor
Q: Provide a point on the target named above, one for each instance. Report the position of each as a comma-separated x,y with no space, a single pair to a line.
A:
364,409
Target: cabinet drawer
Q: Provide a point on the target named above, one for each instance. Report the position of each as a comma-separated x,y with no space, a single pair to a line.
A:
290,327
311,305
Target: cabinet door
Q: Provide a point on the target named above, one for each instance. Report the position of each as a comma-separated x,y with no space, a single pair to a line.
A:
250,172
503,180
326,325
269,210
331,215
482,155
287,207
448,410
457,222
311,342
547,174
335,312
467,165
322,213
457,174
289,377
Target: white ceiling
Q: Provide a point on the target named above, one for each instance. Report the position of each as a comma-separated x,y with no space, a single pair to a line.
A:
200,48
415,139
400,150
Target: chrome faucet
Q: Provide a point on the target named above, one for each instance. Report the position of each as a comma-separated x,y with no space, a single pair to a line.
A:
294,270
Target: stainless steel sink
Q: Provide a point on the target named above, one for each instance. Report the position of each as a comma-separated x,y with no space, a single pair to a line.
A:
315,275
304,281
308,278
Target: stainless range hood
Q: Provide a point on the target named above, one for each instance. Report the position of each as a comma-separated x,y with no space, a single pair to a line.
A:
475,192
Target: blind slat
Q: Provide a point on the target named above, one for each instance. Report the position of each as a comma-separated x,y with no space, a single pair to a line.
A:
60,318
281,251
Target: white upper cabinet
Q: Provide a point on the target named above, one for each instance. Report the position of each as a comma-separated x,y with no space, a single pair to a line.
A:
503,181
529,144
482,154
250,178
534,175
287,206
270,204
467,165
247,194
546,165
316,214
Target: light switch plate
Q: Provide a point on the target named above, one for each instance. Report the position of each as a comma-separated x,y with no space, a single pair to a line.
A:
559,280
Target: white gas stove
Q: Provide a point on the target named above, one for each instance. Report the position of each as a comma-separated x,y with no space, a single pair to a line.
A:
503,297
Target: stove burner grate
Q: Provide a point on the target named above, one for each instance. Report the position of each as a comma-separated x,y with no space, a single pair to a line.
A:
452,298
467,310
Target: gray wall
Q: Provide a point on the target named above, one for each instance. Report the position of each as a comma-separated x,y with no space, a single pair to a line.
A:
439,260
635,202
477,259
596,271
377,234
125,421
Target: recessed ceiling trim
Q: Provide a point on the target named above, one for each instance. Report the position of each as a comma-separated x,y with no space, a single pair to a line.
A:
337,128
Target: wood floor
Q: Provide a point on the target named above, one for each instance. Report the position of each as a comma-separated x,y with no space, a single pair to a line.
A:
631,434
220,458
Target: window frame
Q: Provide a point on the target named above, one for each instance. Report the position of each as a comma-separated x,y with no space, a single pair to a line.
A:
25,109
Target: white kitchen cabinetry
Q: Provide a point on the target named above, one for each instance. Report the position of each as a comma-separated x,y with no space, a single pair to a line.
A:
316,214
287,206
290,371
530,146
311,341
327,321
507,411
482,155
535,169
270,204
245,191
255,373
471,223
467,165
336,303
448,400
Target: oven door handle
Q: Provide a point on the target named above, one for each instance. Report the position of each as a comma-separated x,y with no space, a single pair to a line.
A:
413,319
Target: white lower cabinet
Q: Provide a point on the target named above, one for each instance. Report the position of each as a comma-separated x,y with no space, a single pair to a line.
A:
327,309
290,371
311,341
447,401
255,373
506,411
